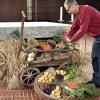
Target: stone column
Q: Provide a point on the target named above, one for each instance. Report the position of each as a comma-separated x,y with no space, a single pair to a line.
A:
29,10
36,10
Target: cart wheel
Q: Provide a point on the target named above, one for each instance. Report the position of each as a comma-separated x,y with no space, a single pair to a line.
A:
2,60
2,64
28,75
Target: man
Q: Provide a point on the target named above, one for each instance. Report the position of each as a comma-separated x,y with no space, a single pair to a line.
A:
87,21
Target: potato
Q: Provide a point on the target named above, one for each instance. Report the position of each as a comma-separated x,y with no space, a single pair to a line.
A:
50,79
29,59
57,94
57,71
46,73
57,88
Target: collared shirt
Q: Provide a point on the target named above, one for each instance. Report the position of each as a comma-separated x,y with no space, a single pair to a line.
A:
87,21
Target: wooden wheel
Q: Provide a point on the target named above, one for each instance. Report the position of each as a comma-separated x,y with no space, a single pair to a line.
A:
28,75
2,64
2,61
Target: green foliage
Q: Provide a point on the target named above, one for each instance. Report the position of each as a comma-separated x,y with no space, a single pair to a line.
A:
71,72
32,42
90,90
64,30
65,46
16,34
84,91
78,92
57,39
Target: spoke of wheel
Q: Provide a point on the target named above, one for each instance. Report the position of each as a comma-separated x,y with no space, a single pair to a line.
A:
34,73
28,72
28,81
31,72
25,79
32,81
33,76
24,75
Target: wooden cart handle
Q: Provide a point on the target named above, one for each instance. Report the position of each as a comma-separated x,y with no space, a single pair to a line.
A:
22,31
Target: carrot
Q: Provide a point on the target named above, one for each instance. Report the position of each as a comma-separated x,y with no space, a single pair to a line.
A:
72,85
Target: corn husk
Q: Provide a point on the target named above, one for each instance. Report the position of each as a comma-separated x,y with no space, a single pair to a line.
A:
14,64
14,83
84,66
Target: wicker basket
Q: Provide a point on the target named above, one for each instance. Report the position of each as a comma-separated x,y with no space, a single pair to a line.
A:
44,96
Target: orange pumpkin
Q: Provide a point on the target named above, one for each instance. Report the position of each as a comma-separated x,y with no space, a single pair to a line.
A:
46,47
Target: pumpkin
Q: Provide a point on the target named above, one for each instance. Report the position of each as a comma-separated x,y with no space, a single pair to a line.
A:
46,47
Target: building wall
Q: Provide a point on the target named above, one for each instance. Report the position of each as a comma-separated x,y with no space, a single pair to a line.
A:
10,10
47,10
94,3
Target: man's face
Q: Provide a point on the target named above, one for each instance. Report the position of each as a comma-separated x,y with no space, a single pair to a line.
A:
70,9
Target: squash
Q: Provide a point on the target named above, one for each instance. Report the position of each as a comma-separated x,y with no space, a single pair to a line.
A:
46,47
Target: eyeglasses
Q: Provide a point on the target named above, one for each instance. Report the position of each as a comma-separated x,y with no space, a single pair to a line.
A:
68,8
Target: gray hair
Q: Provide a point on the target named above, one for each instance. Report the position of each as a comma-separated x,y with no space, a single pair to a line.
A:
70,2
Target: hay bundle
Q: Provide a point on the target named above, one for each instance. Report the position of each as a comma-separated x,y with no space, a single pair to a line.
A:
13,64
80,57
83,59
14,83
86,66
75,57
3,63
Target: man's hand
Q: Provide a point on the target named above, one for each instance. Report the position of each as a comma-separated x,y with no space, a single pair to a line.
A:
59,45
66,39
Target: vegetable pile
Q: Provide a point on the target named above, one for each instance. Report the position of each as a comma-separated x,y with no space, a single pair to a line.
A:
59,84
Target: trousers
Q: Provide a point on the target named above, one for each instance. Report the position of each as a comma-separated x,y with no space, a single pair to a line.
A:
96,60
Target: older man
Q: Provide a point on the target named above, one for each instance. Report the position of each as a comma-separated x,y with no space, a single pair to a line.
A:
87,21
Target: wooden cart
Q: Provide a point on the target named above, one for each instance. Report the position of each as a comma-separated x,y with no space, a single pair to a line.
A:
55,57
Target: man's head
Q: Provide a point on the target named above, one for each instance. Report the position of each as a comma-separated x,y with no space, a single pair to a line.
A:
71,6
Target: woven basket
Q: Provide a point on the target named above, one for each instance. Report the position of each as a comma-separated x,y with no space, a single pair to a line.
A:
44,96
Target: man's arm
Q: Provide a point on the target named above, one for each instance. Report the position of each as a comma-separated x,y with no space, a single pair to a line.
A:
84,23
72,30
